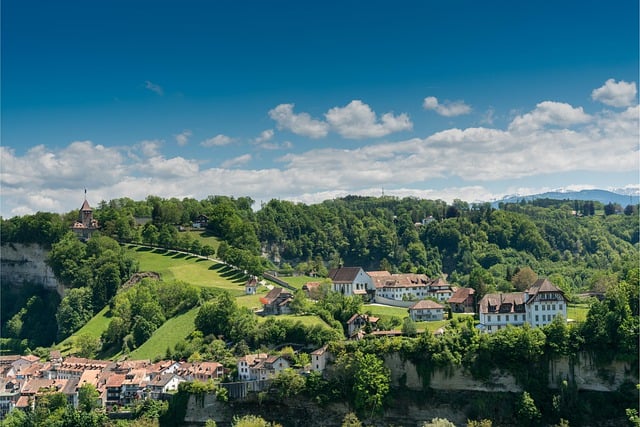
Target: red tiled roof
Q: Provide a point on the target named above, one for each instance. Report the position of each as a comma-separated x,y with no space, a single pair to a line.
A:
85,206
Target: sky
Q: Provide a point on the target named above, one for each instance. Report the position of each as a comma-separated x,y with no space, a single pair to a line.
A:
308,101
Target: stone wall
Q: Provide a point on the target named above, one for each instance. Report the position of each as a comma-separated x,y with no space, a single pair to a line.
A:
21,263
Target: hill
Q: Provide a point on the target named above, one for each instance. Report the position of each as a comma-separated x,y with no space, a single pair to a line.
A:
602,196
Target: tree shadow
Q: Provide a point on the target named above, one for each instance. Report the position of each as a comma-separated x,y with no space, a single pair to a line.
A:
229,273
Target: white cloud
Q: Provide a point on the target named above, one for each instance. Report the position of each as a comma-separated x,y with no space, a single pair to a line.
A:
150,148
542,142
300,124
276,146
154,87
448,108
217,141
549,113
616,94
265,135
183,137
357,120
237,161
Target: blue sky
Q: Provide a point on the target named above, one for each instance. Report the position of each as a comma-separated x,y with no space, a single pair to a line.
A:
282,99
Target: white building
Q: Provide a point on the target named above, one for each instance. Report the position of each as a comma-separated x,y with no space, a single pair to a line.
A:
538,306
350,281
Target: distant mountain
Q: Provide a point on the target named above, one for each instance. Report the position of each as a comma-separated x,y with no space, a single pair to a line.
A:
602,196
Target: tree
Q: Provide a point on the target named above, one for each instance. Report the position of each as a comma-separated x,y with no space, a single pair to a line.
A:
438,422
214,317
87,346
74,311
351,420
371,382
252,421
524,278
526,410
288,383
409,327
88,397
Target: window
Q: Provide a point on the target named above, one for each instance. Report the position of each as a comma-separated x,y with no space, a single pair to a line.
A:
560,307
536,306
536,317
506,318
498,317
553,307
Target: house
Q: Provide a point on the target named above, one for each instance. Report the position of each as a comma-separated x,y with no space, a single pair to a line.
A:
113,388
496,311
86,225
276,301
162,384
439,289
426,310
538,306
350,281
358,322
319,359
255,367
544,302
204,371
462,300
400,287
201,221
9,395
251,287
133,385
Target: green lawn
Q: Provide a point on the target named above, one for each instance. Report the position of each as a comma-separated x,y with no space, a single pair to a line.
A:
171,332
94,328
299,281
577,312
204,238
190,269
385,310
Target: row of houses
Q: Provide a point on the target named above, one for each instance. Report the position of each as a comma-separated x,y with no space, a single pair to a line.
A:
23,379
538,305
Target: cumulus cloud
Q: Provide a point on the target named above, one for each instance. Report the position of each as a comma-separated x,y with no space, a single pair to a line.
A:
154,87
448,108
616,94
265,135
183,137
553,139
549,113
237,161
300,124
217,141
358,120
276,146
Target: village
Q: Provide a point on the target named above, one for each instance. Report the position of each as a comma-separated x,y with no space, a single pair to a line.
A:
23,378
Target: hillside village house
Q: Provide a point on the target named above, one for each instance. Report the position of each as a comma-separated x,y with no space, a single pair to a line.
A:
426,310
86,225
319,359
463,301
350,281
260,366
276,302
251,287
358,322
409,286
538,306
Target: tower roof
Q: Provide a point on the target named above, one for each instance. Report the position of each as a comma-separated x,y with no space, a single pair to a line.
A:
85,206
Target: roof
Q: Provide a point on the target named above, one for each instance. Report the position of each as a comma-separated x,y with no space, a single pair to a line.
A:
344,274
401,280
503,303
426,304
274,294
460,295
541,286
85,206
365,317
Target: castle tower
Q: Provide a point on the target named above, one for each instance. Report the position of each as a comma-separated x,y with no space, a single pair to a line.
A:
86,225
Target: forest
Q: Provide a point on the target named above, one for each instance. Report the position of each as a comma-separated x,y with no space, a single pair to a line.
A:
585,248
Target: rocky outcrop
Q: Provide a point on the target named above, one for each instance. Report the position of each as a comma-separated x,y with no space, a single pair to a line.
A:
22,263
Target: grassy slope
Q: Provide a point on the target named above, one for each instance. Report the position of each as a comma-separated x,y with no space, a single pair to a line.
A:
93,328
172,331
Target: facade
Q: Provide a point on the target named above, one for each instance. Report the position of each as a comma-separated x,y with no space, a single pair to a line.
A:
250,288
409,287
350,281
426,310
538,306
359,321
260,366
201,221
319,359
544,302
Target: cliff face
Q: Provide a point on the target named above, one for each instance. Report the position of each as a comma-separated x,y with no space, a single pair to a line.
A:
20,264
